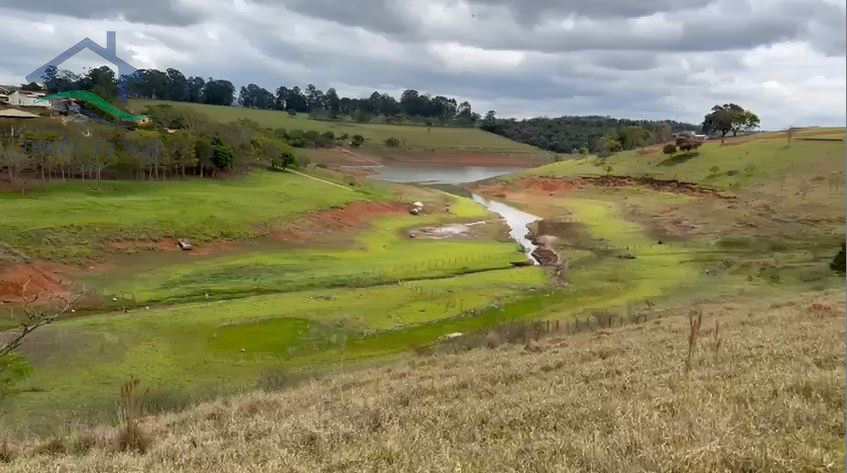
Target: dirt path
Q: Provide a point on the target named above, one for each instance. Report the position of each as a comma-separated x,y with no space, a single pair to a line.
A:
334,184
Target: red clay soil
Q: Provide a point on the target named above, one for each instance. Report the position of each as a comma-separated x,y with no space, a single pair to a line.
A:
552,186
543,185
354,216
655,184
23,283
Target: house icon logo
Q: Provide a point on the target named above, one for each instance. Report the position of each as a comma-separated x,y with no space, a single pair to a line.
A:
109,53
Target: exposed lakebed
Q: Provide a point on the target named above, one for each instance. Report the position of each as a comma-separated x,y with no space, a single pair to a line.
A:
517,220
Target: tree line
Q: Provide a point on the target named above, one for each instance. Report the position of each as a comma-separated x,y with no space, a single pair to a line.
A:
585,134
180,143
172,84
319,104
143,83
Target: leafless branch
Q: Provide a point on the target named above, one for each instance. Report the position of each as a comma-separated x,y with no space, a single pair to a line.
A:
35,319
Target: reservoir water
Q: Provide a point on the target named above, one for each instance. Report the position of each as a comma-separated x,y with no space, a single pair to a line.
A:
439,174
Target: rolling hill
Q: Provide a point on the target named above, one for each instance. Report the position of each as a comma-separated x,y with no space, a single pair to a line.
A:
412,138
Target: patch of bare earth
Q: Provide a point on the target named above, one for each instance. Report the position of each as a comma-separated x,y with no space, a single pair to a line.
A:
33,282
553,186
670,222
332,223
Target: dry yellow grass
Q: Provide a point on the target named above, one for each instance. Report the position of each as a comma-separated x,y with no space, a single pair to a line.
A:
770,399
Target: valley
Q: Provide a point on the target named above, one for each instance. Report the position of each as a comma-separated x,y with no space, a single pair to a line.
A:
299,276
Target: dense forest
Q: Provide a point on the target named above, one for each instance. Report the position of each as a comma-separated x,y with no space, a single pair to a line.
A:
584,134
174,85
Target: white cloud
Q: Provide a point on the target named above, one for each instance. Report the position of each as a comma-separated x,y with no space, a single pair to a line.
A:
457,57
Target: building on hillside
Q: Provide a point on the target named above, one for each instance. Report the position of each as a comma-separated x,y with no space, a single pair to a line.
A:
23,98
4,94
690,135
11,113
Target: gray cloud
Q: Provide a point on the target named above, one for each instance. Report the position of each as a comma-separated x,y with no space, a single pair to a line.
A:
160,12
650,59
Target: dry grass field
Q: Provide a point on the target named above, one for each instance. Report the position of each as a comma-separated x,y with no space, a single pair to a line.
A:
764,392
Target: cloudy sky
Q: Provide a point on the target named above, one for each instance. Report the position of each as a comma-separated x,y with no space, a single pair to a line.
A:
784,59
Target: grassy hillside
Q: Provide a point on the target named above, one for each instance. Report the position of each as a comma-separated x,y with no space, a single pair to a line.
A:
74,220
741,163
764,393
412,138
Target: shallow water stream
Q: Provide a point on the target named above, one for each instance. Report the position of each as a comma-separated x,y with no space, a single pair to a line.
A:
517,220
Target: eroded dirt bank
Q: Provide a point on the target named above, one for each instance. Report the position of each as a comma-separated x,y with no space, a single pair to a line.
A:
332,223
563,185
26,283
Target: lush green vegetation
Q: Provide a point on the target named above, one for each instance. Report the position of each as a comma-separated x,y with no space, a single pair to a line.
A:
411,137
173,85
196,350
383,255
177,144
585,134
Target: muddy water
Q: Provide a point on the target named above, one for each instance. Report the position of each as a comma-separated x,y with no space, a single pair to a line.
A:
517,220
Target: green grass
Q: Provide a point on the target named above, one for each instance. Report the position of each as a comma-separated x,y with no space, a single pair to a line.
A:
375,259
187,350
74,220
760,160
413,138
289,310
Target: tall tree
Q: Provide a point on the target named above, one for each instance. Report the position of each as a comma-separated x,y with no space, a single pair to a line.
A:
489,123
410,102
195,87
281,98
101,81
314,97
177,85
729,118
332,102
218,92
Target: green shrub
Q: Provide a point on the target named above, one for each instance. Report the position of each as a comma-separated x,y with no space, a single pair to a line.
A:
392,142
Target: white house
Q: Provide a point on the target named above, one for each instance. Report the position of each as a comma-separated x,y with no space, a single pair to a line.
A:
23,98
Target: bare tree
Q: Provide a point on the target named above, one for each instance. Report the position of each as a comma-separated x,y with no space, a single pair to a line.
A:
35,319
